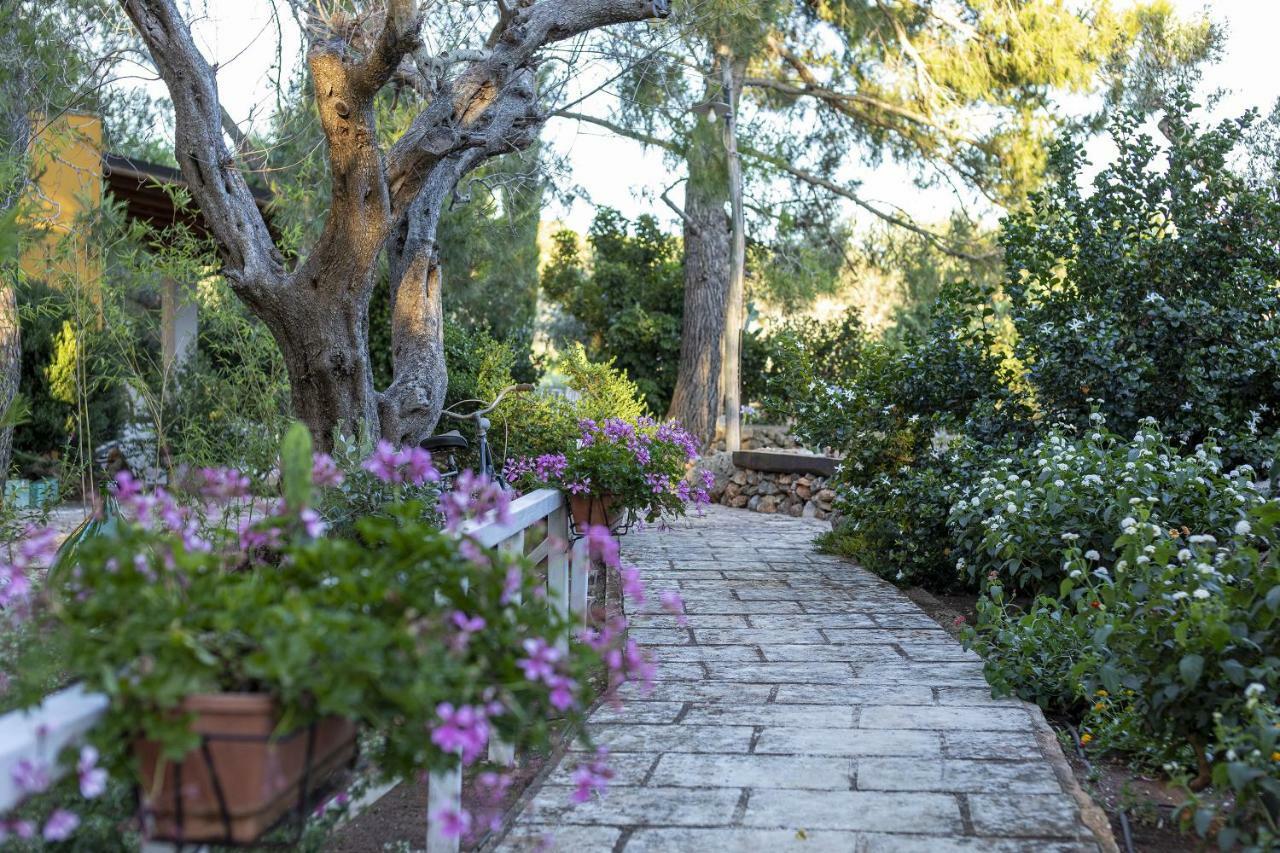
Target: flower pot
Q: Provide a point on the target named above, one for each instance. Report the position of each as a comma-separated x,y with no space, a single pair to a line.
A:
243,778
593,509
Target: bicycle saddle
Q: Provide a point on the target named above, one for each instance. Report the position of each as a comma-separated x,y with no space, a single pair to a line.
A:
451,440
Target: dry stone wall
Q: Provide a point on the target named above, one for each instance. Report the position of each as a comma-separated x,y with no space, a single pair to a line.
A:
799,495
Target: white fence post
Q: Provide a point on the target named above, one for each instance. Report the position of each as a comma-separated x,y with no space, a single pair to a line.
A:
444,791
579,572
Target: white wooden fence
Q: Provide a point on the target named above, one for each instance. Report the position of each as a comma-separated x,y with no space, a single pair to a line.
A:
63,718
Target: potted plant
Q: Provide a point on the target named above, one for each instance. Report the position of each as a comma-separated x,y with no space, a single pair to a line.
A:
239,659
618,468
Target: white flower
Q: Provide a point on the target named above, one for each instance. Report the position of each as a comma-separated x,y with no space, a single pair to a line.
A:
1179,595
1070,537
1012,507
1255,689
1092,555
1243,528
1128,521
1184,555
1201,593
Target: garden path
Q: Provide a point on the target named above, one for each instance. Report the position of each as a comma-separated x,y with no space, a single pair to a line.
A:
807,706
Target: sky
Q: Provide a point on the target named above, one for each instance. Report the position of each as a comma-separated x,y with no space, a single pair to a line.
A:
242,37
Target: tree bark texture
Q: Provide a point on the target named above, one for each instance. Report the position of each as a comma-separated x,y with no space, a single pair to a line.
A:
15,142
383,201
697,399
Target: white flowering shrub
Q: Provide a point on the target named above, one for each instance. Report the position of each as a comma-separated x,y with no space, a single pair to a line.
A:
1074,491
1172,649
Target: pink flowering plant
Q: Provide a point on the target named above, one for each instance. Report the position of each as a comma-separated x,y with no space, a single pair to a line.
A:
641,464
433,643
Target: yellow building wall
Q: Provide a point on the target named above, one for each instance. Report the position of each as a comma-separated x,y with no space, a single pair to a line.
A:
66,172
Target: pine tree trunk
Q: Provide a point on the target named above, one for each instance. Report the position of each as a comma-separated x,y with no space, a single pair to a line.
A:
698,395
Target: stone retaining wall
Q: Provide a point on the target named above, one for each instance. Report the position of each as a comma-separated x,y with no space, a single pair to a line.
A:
800,495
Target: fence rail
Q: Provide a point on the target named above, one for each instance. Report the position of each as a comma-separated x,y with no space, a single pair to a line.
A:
39,734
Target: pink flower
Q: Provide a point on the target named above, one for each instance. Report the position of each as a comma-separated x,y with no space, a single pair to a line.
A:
30,777
93,779
325,472
60,825
464,730
384,463
466,625
312,523
474,496
562,692
591,777
38,547
417,467
453,823
601,545
632,586
673,603
539,665
223,484
511,585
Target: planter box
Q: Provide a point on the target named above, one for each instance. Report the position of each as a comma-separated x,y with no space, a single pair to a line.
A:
243,779
592,509
27,494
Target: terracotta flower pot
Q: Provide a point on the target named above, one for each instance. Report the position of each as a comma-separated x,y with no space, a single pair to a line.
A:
592,509
243,780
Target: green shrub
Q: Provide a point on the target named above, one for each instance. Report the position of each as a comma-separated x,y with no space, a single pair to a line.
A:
1173,644
1155,292
895,525
1018,516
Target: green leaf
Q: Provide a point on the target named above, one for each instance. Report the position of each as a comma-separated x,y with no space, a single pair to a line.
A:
295,466
1242,774
1190,667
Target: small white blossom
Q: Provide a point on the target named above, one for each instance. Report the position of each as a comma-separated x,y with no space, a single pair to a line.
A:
1092,555
1243,528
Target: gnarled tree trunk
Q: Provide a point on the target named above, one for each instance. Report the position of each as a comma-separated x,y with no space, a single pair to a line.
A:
382,201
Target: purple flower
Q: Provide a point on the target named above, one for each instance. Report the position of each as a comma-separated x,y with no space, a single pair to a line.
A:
474,496
223,484
466,625
591,777
384,463
312,523
632,586
550,467
514,469
464,730
30,777
60,825
93,779
38,547
18,828
453,823
539,665
418,470
511,584
601,545
562,692
579,487
673,603
325,472
658,483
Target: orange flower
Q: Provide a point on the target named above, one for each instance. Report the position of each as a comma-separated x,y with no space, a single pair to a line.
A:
1085,738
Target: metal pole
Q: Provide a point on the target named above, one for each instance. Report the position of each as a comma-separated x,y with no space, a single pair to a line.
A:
737,265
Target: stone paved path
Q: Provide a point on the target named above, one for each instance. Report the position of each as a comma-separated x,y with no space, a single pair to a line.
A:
808,706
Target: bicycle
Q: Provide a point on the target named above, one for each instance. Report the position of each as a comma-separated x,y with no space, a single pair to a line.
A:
453,442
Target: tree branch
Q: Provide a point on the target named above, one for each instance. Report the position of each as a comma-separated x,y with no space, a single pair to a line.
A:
461,116
638,136
251,261
900,221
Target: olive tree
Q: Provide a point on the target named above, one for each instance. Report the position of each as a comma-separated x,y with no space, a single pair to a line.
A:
474,100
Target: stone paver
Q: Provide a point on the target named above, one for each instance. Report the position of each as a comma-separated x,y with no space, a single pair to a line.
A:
807,705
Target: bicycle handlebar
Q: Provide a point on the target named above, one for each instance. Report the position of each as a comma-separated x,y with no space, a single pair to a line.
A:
521,388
